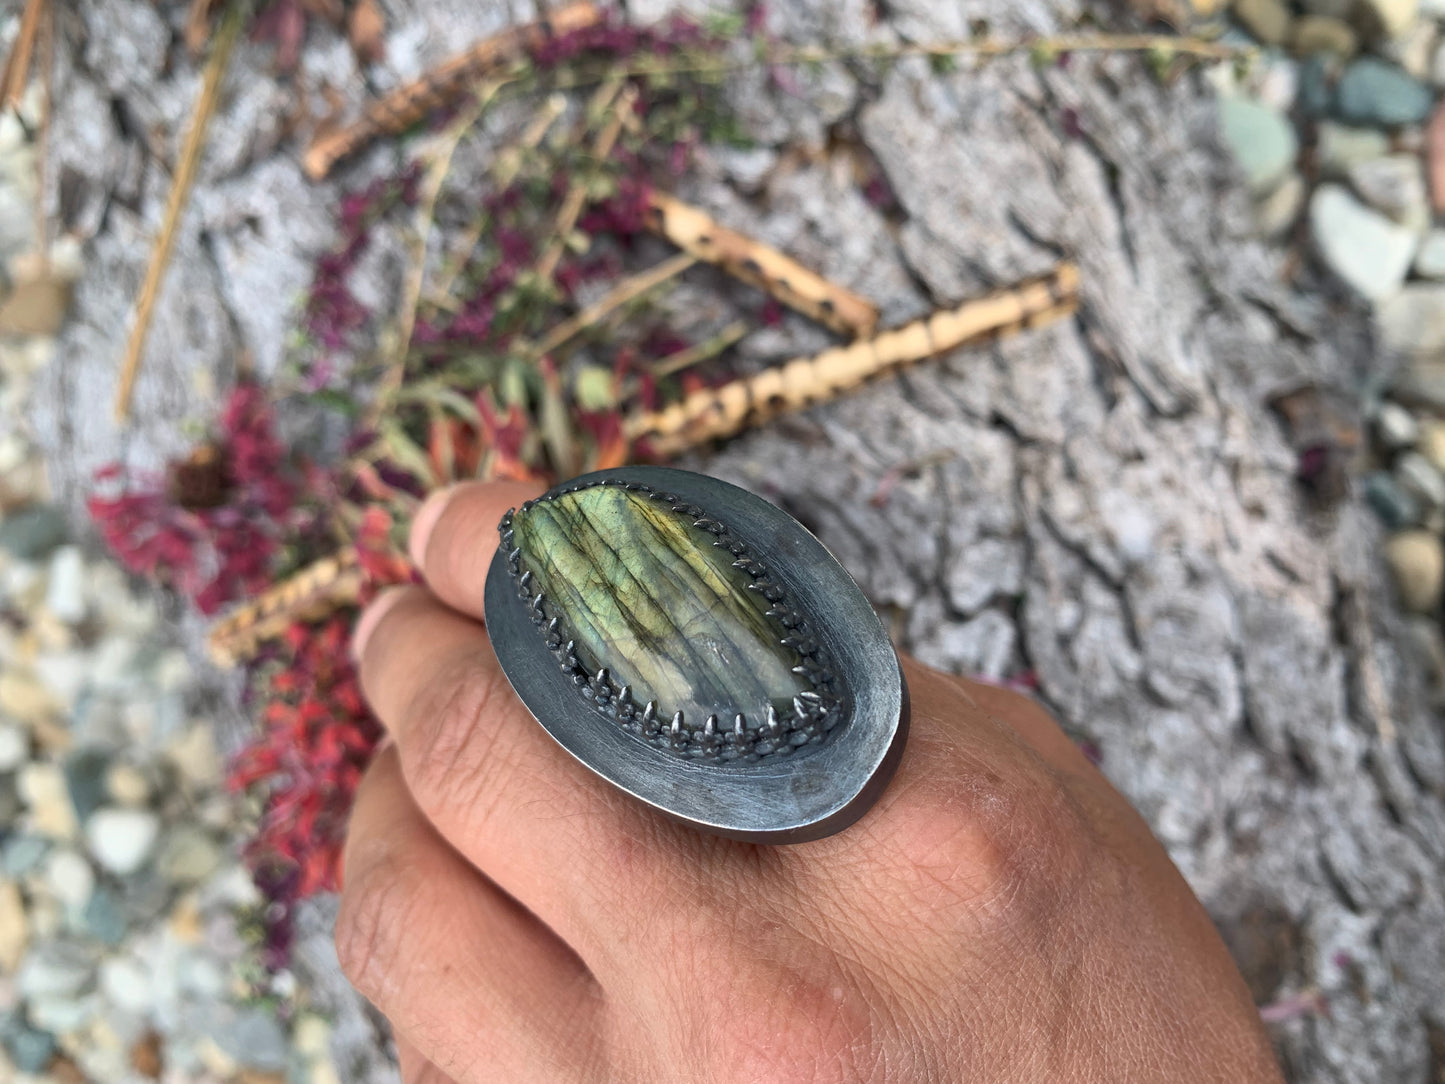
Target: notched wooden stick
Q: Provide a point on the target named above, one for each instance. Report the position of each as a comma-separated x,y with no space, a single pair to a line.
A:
694,230
316,591
442,85
714,413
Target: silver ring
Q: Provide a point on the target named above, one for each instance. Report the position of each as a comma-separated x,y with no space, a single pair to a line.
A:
699,649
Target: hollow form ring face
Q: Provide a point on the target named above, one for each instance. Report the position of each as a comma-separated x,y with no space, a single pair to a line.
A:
799,738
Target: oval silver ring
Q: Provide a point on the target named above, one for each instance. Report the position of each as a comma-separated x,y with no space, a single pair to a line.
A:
777,714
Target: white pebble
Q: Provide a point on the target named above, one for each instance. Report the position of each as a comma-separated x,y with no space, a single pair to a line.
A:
14,747
65,593
121,839
69,878
126,985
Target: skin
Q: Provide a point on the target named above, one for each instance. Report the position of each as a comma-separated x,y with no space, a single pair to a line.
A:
1001,914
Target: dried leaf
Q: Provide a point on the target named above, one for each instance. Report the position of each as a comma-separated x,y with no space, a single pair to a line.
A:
367,31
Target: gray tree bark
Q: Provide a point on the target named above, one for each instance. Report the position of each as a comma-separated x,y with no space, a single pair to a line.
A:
1108,504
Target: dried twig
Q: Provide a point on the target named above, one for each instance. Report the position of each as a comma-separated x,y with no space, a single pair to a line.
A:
309,595
714,413
180,189
17,64
440,86
576,198
438,164
693,230
685,359
629,289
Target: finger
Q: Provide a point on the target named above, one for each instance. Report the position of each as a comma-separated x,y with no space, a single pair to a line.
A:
455,534
503,793
474,983
415,1069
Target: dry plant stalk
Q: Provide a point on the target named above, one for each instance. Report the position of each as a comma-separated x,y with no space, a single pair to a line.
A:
618,113
714,413
185,175
441,86
629,289
311,594
17,65
693,230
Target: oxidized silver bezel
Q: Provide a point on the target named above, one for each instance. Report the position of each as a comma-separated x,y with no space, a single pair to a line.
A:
814,789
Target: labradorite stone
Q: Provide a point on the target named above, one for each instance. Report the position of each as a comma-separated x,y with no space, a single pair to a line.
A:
647,595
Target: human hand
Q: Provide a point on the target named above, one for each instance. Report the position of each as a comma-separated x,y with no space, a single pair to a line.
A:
1001,914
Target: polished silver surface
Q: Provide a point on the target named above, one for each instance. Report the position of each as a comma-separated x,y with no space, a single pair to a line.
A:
803,793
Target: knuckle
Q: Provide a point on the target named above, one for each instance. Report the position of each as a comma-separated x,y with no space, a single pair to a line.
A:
377,909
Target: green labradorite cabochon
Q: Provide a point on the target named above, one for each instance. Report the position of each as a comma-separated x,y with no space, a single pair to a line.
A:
644,593
696,647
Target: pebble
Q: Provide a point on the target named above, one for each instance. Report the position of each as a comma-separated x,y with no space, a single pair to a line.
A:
22,854
1396,427
1396,508
1316,84
1435,159
188,856
1372,91
1392,18
1432,442
70,878
1417,476
126,984
103,917
42,788
1418,565
1412,323
30,1048
60,1015
1324,34
65,591
54,969
85,772
1278,211
1430,260
1340,146
1364,248
14,747
31,533
1437,65
1267,20
121,839
195,758
1395,186
14,927
127,785
1262,140
253,1037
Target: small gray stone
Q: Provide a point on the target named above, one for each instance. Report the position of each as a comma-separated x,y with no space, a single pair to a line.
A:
65,589
85,771
23,854
1267,20
1396,508
1430,260
61,1015
1340,146
121,839
14,747
30,1048
32,533
1395,186
1363,247
252,1036
103,917
1316,84
1374,92
1263,142
1412,323
1417,476
55,969
1396,427
188,856
69,878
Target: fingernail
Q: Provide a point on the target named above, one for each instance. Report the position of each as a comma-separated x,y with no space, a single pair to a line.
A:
371,617
424,521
